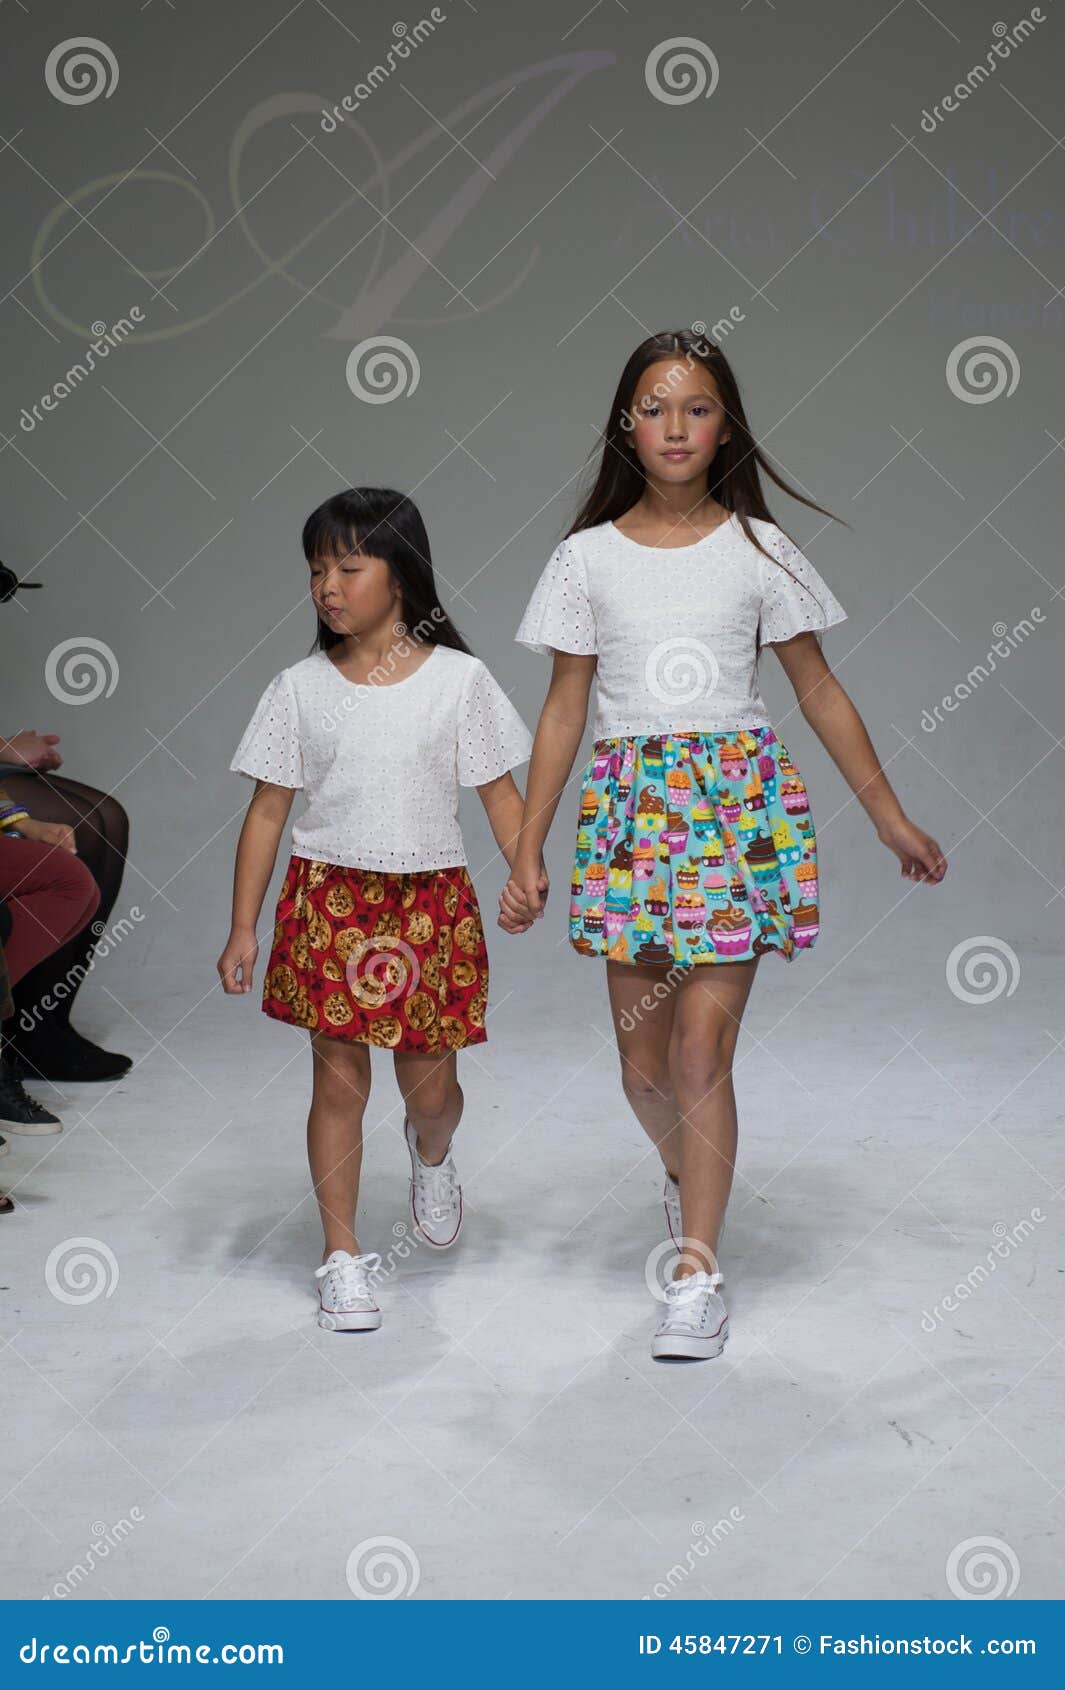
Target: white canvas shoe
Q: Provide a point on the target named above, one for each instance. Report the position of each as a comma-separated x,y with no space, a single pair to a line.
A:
435,1195
346,1302
695,1324
671,1203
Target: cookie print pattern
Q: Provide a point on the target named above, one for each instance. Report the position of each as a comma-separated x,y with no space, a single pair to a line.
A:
396,960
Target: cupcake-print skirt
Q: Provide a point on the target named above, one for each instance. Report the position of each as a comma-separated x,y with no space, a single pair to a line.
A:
397,960
694,848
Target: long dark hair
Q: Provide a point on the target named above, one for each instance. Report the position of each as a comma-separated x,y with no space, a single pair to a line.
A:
379,522
733,478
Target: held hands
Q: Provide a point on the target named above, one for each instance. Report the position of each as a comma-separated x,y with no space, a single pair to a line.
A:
242,949
523,898
917,851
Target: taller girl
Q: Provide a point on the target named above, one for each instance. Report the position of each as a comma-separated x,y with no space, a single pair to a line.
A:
696,851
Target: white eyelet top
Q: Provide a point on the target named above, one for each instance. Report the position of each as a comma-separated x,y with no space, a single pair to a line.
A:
675,627
381,766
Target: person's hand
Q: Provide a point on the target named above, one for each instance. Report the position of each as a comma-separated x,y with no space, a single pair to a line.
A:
34,750
523,898
916,850
48,833
514,914
238,958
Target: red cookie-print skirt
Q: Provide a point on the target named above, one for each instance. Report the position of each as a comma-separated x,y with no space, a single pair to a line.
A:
397,960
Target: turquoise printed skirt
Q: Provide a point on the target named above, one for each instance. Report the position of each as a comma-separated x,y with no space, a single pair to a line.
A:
694,848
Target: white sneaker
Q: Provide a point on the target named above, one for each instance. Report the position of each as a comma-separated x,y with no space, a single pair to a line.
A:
345,1296
695,1324
435,1195
671,1203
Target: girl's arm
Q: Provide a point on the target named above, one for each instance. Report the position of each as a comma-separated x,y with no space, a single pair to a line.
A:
256,854
503,806
558,736
837,724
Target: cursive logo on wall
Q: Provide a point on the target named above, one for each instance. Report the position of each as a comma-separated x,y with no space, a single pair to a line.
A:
383,289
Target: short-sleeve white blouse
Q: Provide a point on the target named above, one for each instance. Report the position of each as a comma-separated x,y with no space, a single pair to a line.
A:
381,766
675,628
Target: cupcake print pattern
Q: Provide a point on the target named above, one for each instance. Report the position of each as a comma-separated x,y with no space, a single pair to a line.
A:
397,960
694,848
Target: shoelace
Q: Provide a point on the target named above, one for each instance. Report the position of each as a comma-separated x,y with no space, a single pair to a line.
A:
353,1277
436,1182
684,1302
11,1087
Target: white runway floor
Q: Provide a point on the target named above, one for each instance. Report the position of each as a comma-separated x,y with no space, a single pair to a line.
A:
507,1424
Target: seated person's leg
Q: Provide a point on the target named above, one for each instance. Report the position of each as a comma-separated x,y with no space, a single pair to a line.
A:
101,831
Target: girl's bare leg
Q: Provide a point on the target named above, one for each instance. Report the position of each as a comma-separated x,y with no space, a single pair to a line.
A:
433,1099
706,1023
334,1135
641,1002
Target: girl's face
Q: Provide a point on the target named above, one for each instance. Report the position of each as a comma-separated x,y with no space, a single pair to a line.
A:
678,421
354,593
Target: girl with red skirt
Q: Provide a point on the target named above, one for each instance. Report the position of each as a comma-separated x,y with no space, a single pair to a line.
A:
377,934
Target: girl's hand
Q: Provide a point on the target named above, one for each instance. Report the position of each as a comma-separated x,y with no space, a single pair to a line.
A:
32,749
513,916
48,833
523,898
918,852
240,955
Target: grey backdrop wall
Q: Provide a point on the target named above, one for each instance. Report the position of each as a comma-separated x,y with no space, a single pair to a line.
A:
517,201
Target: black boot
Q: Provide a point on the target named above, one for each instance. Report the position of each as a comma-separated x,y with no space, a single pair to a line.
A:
19,1112
55,1051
